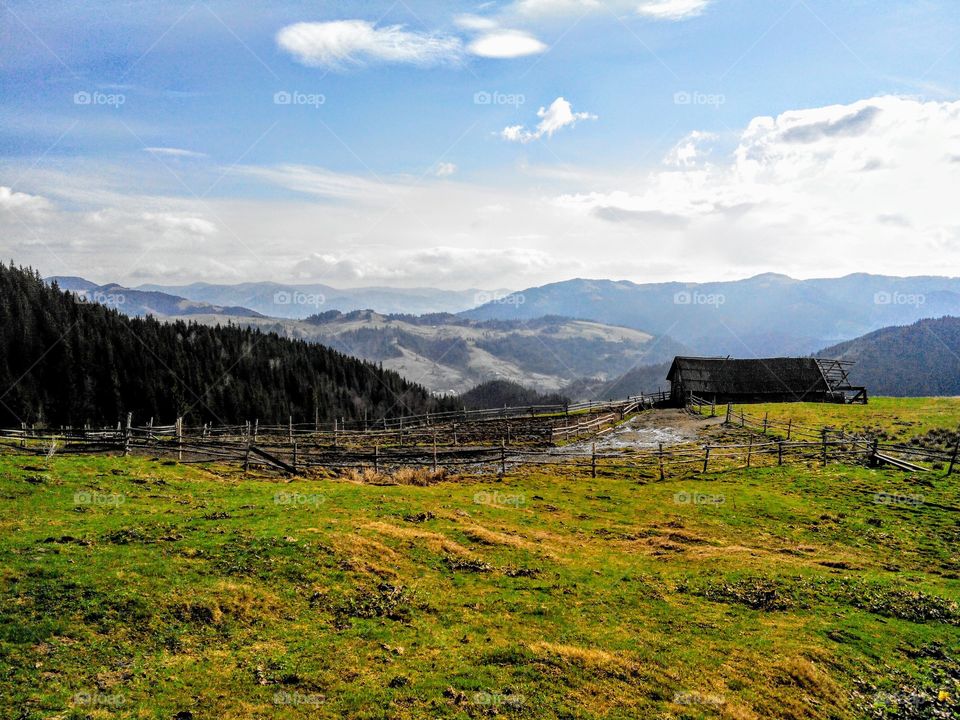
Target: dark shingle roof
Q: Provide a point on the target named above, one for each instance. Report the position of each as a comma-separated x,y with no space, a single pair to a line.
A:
766,376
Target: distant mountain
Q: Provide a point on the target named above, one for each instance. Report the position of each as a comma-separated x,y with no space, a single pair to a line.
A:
140,303
450,354
302,300
761,316
916,360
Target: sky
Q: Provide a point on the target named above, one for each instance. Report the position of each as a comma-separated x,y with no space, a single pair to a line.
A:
479,145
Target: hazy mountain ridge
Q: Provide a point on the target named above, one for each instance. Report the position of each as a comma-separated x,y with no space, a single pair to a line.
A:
300,300
767,314
140,303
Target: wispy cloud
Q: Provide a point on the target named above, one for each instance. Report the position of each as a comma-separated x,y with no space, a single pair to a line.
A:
174,152
559,115
506,44
344,42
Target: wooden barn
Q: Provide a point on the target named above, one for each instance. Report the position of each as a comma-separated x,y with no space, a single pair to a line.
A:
726,380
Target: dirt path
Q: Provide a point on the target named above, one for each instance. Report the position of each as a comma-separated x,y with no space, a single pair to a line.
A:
648,430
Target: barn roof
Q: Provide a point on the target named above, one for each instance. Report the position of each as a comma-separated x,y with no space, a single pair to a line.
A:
773,376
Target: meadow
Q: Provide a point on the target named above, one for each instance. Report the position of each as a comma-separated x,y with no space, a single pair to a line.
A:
135,588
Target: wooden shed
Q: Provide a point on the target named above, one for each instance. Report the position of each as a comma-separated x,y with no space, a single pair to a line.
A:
725,380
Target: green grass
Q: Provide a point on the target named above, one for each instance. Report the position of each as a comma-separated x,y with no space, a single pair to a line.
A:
899,418
131,588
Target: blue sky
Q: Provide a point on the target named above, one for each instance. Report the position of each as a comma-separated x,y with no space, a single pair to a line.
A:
462,144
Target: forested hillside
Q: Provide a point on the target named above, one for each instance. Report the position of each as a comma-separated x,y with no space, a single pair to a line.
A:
503,393
66,361
915,360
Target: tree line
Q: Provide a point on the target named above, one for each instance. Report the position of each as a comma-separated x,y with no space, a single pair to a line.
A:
65,361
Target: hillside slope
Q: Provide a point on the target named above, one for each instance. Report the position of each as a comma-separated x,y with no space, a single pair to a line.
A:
451,354
921,359
66,361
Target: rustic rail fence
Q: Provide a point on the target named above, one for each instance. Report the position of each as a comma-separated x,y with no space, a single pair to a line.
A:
482,444
872,451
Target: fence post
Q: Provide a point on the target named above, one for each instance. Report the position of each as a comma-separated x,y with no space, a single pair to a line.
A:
179,438
434,452
376,459
290,428
503,458
742,421
23,434
780,452
256,429
126,434
706,459
789,428
295,456
593,460
729,412
750,452
713,407
875,446
766,417
824,446
660,460
953,458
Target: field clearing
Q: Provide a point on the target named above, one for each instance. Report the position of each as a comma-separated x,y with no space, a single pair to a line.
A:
135,588
899,418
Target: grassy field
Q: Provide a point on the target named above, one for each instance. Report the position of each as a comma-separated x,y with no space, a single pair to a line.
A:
132,588
896,419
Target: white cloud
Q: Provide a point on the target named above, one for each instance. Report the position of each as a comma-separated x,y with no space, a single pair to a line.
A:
475,22
445,169
10,199
559,115
325,183
504,44
689,151
808,184
672,9
174,152
334,44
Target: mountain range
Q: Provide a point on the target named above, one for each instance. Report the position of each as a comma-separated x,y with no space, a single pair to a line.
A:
760,316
